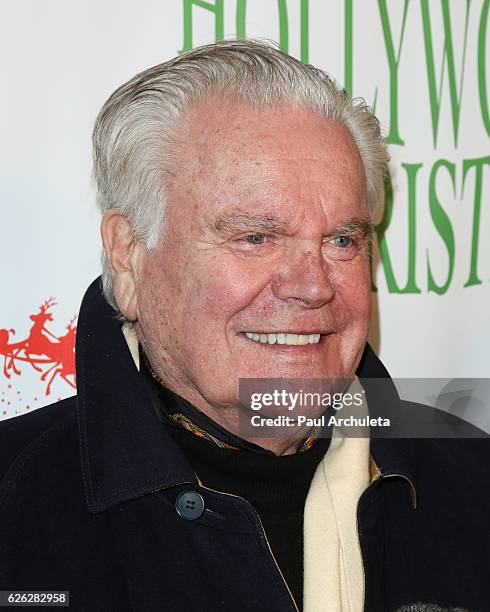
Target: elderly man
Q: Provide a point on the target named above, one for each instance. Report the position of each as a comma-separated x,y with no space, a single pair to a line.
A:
237,187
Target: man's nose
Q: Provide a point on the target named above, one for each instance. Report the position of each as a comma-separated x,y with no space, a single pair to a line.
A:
304,278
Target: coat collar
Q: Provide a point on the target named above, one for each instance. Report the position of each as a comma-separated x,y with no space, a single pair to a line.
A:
125,451
393,456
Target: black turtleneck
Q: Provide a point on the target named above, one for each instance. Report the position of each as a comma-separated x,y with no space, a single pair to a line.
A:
276,486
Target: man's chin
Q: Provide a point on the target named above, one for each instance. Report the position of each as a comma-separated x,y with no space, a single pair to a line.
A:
288,371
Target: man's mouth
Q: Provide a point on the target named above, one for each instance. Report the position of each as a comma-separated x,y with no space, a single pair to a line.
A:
287,338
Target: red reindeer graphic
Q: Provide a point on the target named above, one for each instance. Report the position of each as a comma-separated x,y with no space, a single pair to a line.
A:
63,354
42,347
38,342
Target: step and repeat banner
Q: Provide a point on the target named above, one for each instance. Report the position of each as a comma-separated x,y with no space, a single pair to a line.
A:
424,67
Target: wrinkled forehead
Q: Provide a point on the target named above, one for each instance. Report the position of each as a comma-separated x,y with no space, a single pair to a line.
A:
228,151
224,129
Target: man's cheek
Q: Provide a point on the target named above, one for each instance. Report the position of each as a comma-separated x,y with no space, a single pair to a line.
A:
353,284
351,306
222,293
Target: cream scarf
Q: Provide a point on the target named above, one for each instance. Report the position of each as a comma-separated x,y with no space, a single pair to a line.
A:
333,570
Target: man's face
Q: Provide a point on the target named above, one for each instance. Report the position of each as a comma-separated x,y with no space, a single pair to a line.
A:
266,233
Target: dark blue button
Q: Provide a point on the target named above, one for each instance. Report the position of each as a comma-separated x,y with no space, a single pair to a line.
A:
189,505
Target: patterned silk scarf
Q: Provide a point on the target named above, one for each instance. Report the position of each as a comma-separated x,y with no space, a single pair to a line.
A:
183,414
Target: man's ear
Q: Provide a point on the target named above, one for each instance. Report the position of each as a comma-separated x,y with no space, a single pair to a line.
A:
124,256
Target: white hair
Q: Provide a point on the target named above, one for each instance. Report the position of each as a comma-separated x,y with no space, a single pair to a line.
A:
133,129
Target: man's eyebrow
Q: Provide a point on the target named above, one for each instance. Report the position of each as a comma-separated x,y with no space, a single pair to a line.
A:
241,221
238,221
353,226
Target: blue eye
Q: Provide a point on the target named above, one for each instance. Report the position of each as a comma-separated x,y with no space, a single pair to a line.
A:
343,241
255,238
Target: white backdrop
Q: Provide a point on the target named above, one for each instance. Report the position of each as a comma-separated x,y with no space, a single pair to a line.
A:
61,59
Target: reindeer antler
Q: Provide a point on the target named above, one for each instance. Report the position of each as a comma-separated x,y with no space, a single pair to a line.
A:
47,304
70,327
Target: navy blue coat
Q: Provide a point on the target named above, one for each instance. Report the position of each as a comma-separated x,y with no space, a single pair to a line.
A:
88,496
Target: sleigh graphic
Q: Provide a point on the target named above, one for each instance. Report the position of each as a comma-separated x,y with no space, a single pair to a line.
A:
47,353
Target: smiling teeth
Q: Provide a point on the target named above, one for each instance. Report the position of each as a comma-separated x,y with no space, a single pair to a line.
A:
283,338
